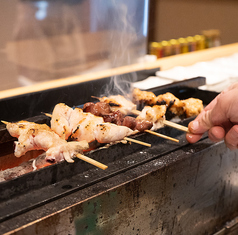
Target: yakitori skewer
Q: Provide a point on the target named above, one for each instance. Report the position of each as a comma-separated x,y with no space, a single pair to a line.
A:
98,125
42,137
175,107
120,103
167,123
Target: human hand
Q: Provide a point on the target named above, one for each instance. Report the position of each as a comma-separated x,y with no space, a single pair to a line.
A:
219,118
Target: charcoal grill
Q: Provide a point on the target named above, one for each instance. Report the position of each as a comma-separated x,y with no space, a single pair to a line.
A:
170,188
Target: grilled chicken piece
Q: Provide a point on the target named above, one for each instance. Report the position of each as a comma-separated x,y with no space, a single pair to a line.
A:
17,128
74,123
85,126
32,136
108,132
84,130
60,120
155,114
143,97
119,102
174,105
66,151
192,107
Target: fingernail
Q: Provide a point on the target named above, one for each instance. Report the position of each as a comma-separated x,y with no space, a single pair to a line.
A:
195,125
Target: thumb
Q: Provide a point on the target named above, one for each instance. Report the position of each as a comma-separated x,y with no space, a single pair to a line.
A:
202,123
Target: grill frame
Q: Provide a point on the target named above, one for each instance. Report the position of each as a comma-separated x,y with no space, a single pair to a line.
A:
59,182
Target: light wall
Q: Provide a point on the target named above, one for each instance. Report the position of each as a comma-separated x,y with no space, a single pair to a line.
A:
182,18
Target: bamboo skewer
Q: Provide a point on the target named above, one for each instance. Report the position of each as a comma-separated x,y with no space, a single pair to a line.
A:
176,126
48,115
91,161
4,122
137,141
162,136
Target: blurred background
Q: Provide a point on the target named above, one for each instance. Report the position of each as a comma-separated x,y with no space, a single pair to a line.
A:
47,40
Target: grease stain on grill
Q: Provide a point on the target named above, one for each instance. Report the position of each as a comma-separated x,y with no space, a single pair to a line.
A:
130,161
158,163
143,152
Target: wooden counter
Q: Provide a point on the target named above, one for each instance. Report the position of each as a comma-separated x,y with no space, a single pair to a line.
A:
163,63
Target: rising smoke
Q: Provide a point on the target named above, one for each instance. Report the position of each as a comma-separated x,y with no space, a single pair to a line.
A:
126,42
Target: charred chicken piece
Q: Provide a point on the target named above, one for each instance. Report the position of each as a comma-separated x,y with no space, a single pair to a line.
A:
143,97
85,126
32,136
84,129
119,102
155,115
17,128
174,105
192,107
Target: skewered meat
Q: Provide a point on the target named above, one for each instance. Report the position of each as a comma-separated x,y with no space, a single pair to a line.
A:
148,117
32,136
108,132
115,117
129,122
84,129
18,128
118,118
192,107
175,107
85,126
66,151
74,123
60,121
97,109
155,114
119,102
103,109
143,124
143,97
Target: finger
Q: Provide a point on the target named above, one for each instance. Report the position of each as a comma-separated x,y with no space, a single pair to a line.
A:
216,133
201,124
191,138
231,138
